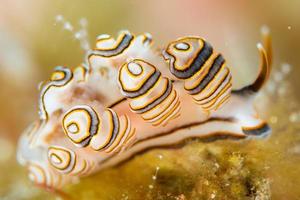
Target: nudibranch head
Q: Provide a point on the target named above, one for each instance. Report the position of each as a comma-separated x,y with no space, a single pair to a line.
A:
123,101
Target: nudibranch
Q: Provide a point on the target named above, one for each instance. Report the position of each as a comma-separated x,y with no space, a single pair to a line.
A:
128,97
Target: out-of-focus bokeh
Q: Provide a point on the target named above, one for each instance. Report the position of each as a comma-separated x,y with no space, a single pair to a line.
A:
32,42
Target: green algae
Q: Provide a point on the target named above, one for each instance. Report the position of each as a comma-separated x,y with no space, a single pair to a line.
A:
219,170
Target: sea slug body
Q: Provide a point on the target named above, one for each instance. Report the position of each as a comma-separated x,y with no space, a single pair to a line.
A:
128,97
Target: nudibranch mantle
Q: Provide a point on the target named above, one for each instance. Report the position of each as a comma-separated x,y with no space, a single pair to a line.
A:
128,97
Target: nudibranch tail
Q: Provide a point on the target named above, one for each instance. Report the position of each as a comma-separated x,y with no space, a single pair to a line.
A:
251,124
264,70
267,44
265,53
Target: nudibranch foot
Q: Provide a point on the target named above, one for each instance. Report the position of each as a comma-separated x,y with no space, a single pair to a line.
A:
125,100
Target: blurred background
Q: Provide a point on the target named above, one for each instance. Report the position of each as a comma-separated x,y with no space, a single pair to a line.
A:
33,42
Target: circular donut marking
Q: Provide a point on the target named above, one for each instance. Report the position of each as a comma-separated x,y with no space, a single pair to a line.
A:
80,124
61,159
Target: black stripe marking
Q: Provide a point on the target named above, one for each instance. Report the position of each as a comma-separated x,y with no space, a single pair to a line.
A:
124,44
93,129
116,124
188,126
162,112
116,103
158,100
264,129
216,66
148,84
197,63
68,76
224,135
219,85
